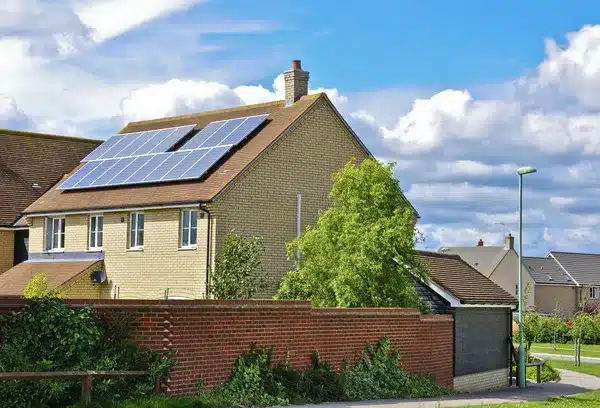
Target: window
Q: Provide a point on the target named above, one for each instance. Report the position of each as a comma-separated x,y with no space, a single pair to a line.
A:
96,231
189,227
55,234
595,292
136,231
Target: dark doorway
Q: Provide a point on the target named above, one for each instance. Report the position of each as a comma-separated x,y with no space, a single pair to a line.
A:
21,246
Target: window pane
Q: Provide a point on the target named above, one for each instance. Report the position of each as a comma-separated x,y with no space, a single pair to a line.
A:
194,218
133,222
140,237
100,223
48,233
193,236
141,221
99,239
186,218
185,237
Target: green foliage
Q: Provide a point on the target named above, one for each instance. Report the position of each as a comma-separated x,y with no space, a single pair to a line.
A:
38,287
377,375
238,272
48,336
361,251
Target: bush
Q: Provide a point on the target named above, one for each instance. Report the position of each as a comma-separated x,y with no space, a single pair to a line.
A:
376,375
48,336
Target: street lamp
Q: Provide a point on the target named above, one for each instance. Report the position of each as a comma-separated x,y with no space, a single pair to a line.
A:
522,379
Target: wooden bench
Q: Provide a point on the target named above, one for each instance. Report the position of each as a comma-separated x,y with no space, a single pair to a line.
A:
87,376
538,365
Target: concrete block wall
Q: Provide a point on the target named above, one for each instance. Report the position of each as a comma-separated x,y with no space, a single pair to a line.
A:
208,335
7,250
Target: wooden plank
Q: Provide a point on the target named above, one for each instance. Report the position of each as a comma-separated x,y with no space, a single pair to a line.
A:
86,389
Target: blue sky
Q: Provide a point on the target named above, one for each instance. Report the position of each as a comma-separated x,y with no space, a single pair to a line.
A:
458,94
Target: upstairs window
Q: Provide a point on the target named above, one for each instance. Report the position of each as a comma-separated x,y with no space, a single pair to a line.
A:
136,231
595,292
96,232
189,227
55,234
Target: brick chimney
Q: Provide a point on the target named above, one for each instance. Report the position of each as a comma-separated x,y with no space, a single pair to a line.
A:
509,242
480,243
296,83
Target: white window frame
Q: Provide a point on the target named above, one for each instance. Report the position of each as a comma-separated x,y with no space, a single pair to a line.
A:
594,292
93,235
57,238
133,239
188,234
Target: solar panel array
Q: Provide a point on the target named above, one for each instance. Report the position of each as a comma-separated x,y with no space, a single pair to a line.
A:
143,157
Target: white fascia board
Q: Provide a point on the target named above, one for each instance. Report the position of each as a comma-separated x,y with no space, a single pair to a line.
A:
111,210
563,268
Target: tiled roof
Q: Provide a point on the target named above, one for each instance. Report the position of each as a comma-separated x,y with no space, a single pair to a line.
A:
34,158
14,281
280,119
483,258
546,270
584,268
463,281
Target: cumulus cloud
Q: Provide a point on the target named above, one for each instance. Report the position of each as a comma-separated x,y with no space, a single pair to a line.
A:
11,116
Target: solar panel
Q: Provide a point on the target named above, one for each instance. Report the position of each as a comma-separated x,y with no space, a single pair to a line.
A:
138,143
144,157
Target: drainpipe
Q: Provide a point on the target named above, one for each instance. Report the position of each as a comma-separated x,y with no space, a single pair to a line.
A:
208,250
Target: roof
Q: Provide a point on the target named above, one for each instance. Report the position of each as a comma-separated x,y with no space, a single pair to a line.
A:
463,281
546,270
14,281
280,119
583,268
483,258
34,158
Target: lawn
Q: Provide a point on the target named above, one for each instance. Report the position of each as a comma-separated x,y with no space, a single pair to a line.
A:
589,399
587,350
586,368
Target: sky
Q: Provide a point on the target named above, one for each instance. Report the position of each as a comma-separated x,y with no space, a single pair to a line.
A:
458,94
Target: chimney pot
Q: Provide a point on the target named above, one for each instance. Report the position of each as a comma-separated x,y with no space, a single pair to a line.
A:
480,243
296,83
509,242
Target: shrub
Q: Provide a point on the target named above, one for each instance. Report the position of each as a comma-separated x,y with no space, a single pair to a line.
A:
48,336
38,287
238,271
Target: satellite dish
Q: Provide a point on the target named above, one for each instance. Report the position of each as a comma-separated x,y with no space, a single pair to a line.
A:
98,277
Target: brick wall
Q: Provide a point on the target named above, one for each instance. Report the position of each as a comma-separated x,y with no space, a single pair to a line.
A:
7,248
264,201
208,335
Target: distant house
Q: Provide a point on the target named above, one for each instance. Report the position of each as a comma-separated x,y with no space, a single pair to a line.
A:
498,263
566,280
151,206
30,163
482,313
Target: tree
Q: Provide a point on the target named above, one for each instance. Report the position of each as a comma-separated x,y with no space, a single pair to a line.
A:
361,251
238,271
38,287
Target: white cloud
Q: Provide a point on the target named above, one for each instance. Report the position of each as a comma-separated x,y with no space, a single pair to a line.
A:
459,192
560,202
474,168
110,18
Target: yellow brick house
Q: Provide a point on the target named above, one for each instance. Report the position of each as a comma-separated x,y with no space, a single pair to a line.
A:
144,214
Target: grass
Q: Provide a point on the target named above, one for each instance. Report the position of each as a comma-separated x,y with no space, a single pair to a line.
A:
586,368
587,350
589,399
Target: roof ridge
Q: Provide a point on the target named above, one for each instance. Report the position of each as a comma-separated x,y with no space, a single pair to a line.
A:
209,112
434,254
574,253
16,132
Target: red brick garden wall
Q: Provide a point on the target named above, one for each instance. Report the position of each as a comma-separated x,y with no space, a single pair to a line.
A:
208,335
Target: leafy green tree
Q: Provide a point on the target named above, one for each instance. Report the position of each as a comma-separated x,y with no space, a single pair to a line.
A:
238,270
361,252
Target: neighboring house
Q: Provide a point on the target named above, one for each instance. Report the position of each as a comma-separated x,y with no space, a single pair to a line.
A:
152,208
482,320
566,280
500,264
30,163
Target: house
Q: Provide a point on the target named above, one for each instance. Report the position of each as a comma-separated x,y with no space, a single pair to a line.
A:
482,313
500,264
30,164
565,281
144,215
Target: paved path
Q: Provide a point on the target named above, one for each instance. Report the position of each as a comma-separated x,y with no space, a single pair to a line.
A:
571,383
550,356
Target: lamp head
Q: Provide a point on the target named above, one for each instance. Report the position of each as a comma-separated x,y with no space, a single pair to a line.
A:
526,170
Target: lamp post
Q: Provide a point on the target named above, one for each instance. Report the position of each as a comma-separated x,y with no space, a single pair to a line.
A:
522,379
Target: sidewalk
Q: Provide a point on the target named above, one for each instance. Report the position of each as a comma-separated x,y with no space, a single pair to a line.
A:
571,383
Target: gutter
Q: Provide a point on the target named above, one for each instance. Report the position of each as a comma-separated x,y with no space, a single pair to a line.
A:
203,208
